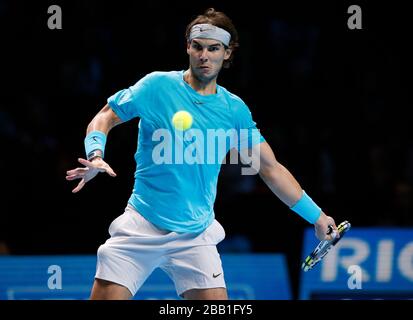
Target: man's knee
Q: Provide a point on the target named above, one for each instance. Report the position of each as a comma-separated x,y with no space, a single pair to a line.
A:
107,290
206,294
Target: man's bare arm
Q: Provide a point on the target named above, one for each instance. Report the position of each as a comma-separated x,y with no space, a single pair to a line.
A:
282,183
104,121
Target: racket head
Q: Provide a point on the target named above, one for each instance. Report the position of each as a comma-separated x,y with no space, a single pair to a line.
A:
324,247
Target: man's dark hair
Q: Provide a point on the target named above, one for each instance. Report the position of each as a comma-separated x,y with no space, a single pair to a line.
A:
220,20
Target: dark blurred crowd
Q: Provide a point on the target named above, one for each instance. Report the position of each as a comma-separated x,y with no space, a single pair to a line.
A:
330,101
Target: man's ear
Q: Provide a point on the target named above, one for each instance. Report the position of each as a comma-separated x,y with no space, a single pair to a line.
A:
228,53
188,46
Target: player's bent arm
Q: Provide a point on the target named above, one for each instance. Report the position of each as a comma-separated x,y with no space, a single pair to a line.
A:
96,133
104,120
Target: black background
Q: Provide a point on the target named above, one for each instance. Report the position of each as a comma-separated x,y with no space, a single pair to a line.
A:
332,102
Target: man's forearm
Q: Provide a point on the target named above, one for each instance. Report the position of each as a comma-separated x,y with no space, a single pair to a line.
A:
282,183
288,190
97,132
104,121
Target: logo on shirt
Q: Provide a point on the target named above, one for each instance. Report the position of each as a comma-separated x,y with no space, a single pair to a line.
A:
216,275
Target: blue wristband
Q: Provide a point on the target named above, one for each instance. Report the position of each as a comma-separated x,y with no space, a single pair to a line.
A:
307,208
95,140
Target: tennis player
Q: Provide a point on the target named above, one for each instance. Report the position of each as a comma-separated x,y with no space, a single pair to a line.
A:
169,220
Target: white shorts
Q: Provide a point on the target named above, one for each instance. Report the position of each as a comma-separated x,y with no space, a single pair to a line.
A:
136,247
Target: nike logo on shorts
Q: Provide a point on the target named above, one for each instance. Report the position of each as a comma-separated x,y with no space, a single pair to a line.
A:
216,275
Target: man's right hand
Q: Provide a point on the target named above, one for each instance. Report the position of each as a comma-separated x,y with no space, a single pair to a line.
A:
91,169
322,227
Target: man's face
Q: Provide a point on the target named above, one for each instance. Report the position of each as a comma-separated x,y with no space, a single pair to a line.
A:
206,57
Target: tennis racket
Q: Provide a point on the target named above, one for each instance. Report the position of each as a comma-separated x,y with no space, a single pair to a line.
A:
324,246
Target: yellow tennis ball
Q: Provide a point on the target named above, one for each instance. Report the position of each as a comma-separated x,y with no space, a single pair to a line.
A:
182,120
